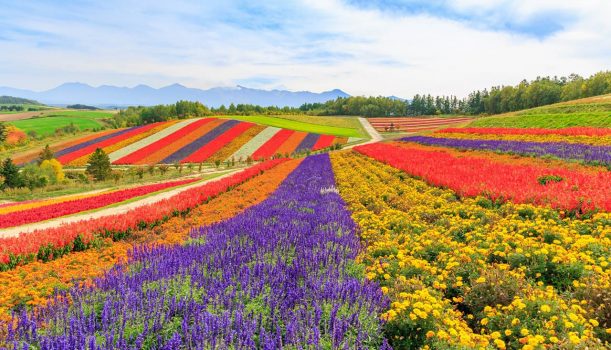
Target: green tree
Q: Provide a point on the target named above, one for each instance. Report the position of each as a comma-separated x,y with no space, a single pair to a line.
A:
3,133
34,177
10,172
45,154
99,165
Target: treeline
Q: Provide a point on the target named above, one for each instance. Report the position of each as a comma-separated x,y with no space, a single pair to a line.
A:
186,109
499,99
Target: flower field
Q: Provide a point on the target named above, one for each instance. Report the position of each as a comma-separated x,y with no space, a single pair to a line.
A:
407,124
474,238
468,273
189,141
40,211
52,242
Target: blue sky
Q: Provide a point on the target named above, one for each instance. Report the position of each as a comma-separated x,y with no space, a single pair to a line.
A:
385,47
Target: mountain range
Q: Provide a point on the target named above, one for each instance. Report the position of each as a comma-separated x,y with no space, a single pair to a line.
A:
107,95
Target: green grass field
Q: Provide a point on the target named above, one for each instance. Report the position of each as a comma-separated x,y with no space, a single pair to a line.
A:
594,112
338,126
51,120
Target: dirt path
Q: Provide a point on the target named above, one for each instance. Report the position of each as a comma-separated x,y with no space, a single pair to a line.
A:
119,209
373,133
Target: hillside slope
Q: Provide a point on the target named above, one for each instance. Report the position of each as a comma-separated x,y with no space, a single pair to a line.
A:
591,111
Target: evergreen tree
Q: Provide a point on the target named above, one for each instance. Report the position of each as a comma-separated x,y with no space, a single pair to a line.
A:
3,133
10,172
99,165
45,154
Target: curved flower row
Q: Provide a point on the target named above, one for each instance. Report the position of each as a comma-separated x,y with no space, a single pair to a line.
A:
575,131
33,284
49,243
84,203
469,273
579,139
563,150
570,189
279,275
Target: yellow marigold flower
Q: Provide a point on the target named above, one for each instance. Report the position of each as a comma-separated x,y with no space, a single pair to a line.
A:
524,331
384,290
574,339
553,340
593,322
430,334
481,280
484,321
545,308
515,321
508,332
495,335
500,344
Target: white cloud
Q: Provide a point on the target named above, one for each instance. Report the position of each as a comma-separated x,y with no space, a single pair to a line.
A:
313,45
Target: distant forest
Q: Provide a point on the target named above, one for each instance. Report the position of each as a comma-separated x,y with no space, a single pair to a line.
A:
498,99
17,101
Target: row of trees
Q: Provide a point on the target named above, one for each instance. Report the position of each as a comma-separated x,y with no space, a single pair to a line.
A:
47,170
498,99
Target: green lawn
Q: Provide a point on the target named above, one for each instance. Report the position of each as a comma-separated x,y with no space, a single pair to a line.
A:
338,126
46,125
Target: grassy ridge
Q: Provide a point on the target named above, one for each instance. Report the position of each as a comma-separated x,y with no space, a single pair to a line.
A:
593,111
338,126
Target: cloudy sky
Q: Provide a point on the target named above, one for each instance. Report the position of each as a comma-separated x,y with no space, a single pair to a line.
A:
365,47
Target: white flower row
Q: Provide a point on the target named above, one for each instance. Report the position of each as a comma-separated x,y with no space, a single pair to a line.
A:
251,146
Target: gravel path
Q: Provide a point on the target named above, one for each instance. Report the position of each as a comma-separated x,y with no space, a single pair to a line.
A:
15,231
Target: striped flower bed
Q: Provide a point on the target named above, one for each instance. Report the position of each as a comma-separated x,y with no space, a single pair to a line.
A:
575,131
146,142
200,142
217,143
255,143
159,155
269,148
81,161
587,140
161,144
232,147
414,124
292,143
563,150
93,141
191,141
119,137
84,204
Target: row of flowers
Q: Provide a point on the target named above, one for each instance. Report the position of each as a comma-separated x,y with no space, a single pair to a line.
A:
563,150
580,139
33,284
576,190
574,131
48,244
471,273
279,275
36,212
